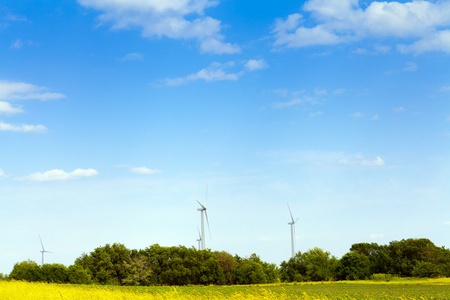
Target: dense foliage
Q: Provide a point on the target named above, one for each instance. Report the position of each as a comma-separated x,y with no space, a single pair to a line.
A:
157,265
405,258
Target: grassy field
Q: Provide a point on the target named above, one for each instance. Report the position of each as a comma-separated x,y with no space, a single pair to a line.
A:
402,289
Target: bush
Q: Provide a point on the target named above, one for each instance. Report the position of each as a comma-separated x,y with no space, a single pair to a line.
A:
426,269
78,275
353,266
27,271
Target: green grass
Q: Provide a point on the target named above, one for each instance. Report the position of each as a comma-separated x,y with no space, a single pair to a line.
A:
394,289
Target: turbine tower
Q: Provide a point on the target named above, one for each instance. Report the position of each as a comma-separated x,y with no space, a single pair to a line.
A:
43,250
292,231
202,210
199,240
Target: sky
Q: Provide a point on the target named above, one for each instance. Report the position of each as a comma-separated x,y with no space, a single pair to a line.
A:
117,116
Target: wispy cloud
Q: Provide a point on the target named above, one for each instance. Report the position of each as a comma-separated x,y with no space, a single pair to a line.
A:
214,72
132,56
254,65
23,128
296,98
345,21
172,19
140,170
18,43
7,109
357,115
60,175
399,109
327,158
410,67
10,90
144,170
2,174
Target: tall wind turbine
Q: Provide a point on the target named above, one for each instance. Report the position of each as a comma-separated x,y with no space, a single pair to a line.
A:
292,231
199,240
202,210
43,250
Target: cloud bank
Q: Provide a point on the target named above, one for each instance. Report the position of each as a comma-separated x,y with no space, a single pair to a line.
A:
10,90
60,175
179,19
424,24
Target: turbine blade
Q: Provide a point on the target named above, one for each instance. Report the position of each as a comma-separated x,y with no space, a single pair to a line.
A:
291,213
207,221
41,243
201,205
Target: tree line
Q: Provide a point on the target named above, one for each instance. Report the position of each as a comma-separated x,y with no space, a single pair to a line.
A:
157,265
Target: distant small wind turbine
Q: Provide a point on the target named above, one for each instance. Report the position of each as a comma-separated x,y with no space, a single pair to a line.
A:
199,240
43,250
203,210
292,231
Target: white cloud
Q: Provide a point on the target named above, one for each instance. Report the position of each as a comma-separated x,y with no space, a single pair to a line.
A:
17,44
254,65
10,90
315,114
286,104
216,46
144,170
178,19
8,109
378,161
132,56
23,128
326,158
399,109
339,91
339,21
410,67
59,175
296,99
214,72
447,223
356,115
375,117
445,88
437,41
2,174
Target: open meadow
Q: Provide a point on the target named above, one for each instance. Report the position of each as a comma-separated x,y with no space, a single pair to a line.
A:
401,289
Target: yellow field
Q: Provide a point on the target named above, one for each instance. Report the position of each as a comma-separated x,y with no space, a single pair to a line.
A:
355,290
24,290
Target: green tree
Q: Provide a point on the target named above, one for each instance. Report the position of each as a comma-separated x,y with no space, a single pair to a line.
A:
377,255
353,266
409,254
78,275
27,271
107,263
56,273
228,265
139,271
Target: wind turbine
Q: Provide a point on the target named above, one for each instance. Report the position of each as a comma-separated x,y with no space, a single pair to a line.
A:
43,250
199,239
202,210
292,231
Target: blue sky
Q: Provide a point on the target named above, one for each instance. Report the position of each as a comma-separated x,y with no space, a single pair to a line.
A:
116,115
